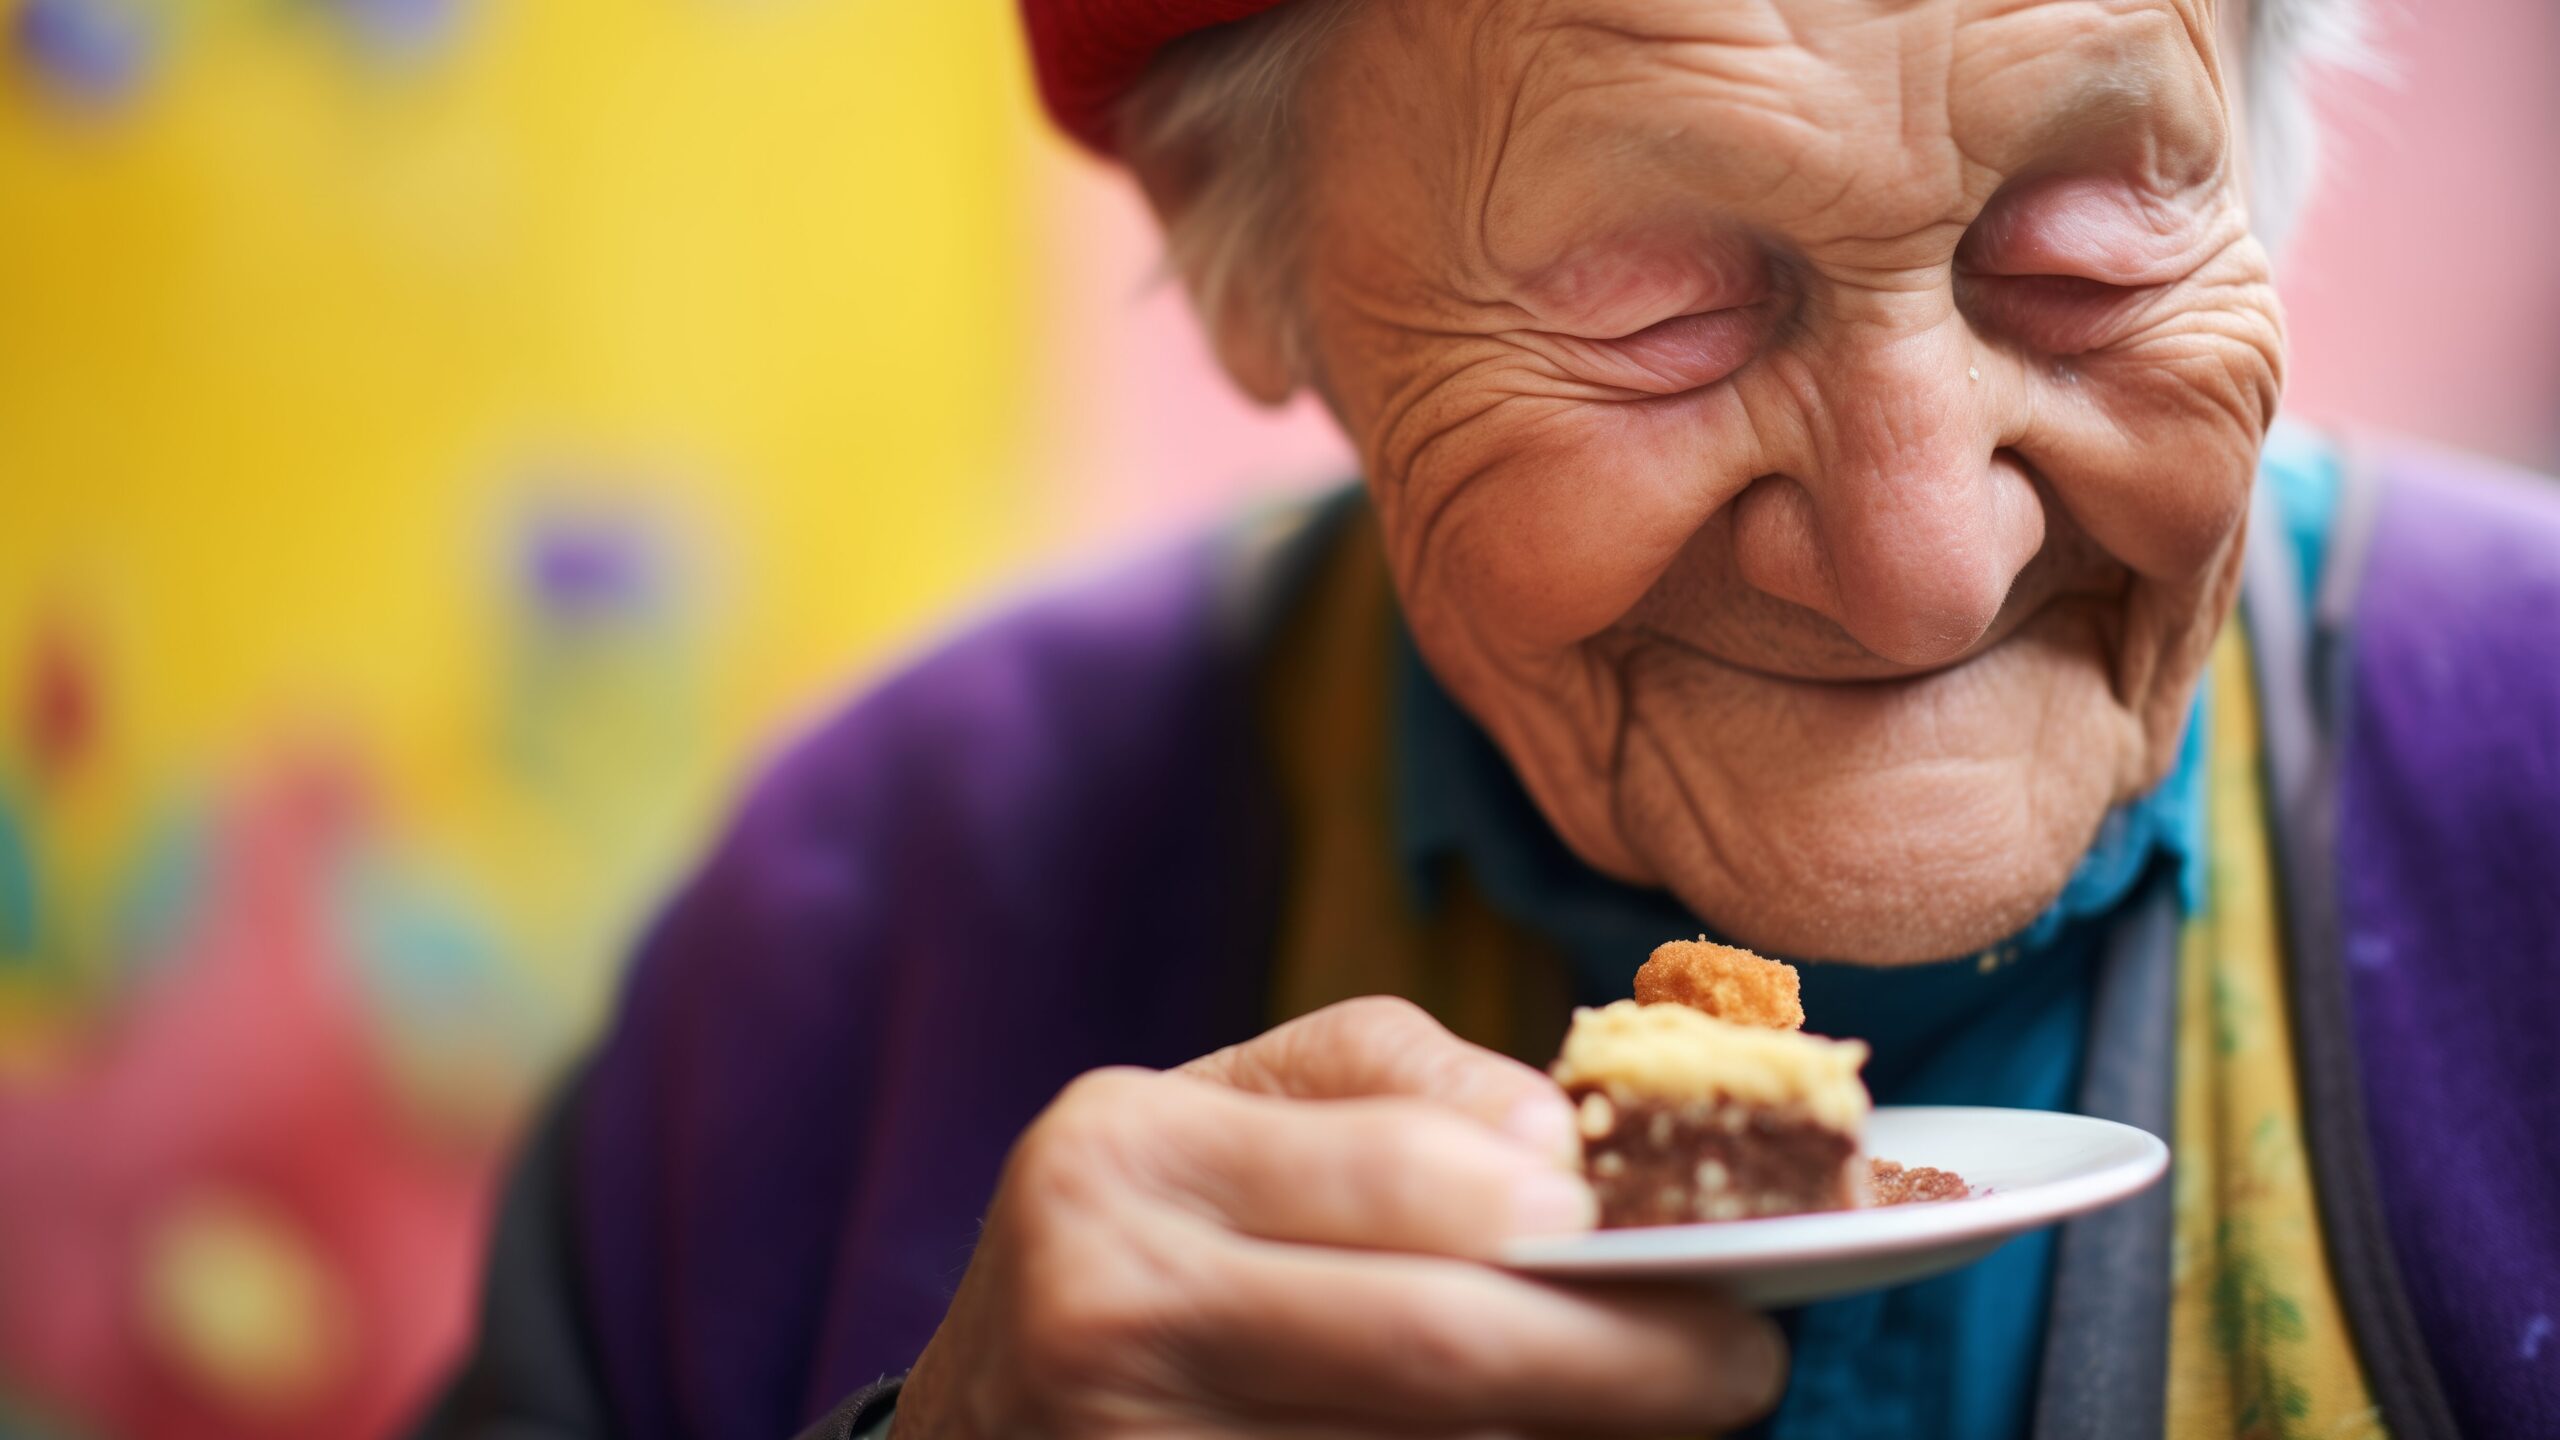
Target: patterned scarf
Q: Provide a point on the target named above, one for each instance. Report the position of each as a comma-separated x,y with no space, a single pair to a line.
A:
2258,1345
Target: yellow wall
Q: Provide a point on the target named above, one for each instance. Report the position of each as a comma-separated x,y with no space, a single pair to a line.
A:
305,340
289,340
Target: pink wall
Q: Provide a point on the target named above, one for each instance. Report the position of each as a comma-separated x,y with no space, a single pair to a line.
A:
2424,291
1154,440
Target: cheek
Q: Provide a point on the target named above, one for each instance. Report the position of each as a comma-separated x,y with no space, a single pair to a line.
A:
1542,522
2153,447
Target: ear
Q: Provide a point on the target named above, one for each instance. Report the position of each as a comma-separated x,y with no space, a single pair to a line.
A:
1247,344
1245,330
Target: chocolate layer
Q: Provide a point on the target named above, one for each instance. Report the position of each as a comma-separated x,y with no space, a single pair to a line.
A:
1672,1163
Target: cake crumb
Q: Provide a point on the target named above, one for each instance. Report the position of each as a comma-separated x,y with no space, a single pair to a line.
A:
1733,985
1889,1183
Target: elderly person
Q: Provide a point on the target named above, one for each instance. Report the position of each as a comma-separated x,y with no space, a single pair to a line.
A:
1813,449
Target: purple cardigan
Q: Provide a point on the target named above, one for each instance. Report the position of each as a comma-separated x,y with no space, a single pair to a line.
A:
2447,875
1045,847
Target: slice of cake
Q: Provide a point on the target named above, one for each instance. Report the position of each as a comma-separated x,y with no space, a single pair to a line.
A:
1686,1117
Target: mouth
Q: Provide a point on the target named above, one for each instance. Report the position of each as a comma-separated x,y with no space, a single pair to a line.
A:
1893,674
1844,664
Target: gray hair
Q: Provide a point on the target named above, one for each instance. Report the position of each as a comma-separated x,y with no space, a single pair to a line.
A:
2290,42
1213,117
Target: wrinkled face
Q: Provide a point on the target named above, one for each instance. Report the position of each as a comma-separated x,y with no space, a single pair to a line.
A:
1812,436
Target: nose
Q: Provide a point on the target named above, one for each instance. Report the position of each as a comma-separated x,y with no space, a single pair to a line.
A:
1899,517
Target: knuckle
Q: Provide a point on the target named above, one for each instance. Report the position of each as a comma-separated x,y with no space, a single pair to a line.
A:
1084,1154
1377,1031
1095,1119
1383,1019
1102,1309
1108,1090
1091,1277
1396,1037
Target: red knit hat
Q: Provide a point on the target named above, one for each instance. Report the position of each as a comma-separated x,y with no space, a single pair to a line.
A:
1088,53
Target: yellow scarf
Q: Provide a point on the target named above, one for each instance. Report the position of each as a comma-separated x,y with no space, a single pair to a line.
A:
2257,1343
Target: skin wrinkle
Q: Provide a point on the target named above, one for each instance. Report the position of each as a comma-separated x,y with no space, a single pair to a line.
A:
1416,554
1599,740
2038,798
1912,97
1493,162
1774,105
1701,824
1851,647
1404,409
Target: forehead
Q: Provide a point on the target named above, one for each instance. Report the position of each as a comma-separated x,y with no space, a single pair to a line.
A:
1832,120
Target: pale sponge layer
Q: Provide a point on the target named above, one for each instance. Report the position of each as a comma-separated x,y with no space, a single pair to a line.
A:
1671,1052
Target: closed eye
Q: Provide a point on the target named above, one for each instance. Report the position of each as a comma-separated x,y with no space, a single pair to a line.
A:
2052,314
1685,352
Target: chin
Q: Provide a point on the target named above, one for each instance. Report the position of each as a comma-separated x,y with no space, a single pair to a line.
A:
1926,868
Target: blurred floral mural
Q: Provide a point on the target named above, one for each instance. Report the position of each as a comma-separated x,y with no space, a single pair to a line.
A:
442,445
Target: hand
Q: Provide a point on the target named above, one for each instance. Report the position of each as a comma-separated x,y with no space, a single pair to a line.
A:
1287,1238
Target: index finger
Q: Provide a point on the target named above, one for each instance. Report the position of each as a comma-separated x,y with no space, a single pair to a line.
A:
1380,1045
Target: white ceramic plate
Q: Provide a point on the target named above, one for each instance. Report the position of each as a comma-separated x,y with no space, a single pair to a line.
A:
2028,1168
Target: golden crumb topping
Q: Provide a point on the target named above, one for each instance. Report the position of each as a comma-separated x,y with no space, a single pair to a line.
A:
1727,983
1673,1052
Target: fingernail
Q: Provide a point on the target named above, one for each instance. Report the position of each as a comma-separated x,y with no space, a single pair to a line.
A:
1552,1202
1545,1124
